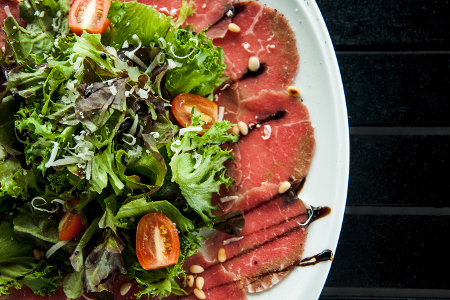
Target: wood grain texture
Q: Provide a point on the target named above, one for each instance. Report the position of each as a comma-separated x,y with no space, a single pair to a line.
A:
387,25
396,89
399,171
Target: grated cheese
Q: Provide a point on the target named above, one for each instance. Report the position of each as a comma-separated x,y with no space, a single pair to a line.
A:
221,112
228,198
191,128
235,239
267,132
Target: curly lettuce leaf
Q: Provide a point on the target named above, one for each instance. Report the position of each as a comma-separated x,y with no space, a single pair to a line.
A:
197,165
202,64
6,283
14,180
132,18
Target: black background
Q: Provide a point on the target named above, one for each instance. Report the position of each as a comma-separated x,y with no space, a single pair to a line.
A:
394,58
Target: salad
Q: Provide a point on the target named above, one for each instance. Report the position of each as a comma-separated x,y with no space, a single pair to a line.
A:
110,149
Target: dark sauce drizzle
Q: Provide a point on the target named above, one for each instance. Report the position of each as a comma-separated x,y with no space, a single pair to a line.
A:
326,255
276,116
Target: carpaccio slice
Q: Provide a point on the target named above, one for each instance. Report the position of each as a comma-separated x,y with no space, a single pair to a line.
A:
206,12
269,247
266,34
279,147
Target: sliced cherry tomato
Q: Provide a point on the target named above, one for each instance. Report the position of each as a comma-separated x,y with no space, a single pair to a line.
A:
70,226
157,242
89,15
182,107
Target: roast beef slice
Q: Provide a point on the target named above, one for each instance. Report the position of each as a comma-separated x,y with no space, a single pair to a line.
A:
266,34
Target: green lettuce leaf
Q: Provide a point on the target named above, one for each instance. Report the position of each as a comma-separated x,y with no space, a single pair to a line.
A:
202,64
17,261
6,283
46,19
74,284
197,165
104,263
132,18
14,180
36,224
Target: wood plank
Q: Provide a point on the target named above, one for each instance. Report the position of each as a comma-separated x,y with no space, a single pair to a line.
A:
390,89
399,170
387,25
392,251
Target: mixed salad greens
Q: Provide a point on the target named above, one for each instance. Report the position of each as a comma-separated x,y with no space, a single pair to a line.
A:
86,130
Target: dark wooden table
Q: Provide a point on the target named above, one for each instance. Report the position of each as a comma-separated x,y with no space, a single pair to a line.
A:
394,58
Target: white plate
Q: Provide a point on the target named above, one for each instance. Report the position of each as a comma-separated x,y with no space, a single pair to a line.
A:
322,92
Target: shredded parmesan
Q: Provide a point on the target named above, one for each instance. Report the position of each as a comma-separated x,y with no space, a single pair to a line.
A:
267,132
38,206
228,198
198,160
52,155
191,128
235,239
221,112
176,143
246,47
173,64
133,139
55,247
162,43
155,134
7,11
134,126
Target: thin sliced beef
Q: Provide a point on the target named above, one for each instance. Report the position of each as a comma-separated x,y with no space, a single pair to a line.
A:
206,12
219,283
279,147
13,6
269,247
266,34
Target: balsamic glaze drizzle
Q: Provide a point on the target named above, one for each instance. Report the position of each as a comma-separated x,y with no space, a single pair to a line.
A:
276,116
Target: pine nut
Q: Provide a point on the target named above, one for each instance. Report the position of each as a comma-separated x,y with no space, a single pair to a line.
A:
243,128
125,288
234,27
190,280
222,255
235,130
37,254
253,64
200,282
284,186
199,294
293,91
196,269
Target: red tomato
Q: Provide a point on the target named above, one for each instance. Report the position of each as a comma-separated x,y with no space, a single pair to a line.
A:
89,15
182,106
70,226
157,242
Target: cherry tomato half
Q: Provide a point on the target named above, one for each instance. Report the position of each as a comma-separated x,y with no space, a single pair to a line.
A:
89,15
182,106
157,242
70,226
